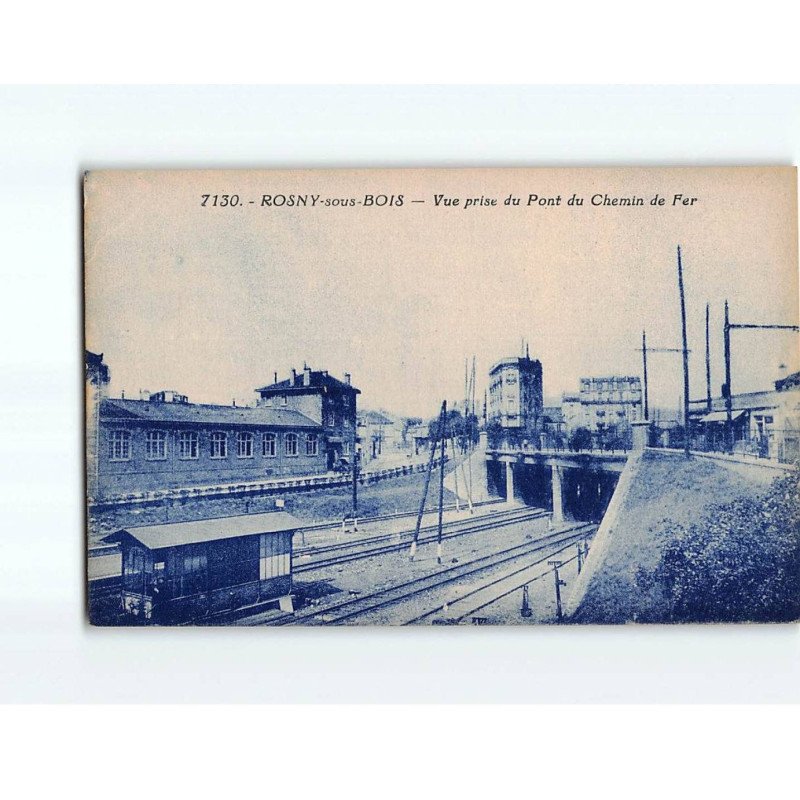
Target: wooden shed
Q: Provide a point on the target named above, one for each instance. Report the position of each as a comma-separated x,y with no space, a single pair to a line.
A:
184,571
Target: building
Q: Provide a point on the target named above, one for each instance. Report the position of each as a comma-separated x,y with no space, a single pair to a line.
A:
553,426
420,439
166,442
184,571
766,423
380,433
516,400
606,406
572,412
325,400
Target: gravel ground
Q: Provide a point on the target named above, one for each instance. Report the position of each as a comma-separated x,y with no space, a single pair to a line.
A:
380,572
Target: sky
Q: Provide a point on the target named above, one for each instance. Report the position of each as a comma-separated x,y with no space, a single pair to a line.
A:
212,300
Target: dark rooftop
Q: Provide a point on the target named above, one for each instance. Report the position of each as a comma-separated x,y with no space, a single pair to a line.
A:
205,414
173,534
317,379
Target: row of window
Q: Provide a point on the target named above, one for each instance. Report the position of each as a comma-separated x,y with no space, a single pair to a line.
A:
188,445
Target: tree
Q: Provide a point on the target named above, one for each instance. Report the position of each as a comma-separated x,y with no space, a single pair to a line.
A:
739,563
580,439
410,422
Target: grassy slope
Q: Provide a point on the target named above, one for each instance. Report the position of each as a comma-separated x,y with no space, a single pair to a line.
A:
667,487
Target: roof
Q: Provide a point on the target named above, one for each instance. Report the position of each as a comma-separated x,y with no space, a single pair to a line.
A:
175,534
748,400
376,418
204,414
516,361
720,416
789,382
318,379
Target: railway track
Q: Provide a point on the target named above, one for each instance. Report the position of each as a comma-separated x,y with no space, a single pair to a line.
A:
97,551
477,598
392,542
349,609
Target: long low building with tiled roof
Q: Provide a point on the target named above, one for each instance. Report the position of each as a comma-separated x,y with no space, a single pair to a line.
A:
146,445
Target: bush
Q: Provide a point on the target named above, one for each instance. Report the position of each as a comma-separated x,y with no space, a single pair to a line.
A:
739,563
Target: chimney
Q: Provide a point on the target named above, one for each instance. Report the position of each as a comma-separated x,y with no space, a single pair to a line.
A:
306,375
347,378
276,378
294,376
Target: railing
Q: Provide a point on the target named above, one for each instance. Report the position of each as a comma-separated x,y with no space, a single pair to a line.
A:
558,451
781,445
365,477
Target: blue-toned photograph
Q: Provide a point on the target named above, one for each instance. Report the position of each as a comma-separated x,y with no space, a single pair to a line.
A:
442,396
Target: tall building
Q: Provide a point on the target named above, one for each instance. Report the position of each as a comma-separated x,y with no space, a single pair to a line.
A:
606,406
322,398
516,399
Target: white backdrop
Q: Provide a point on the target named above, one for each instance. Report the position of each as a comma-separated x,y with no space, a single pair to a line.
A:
49,136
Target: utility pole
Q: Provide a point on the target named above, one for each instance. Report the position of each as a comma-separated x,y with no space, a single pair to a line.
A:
455,470
355,480
726,390
559,583
433,444
708,362
645,350
728,326
685,358
441,484
644,370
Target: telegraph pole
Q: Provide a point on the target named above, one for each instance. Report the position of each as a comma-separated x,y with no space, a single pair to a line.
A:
645,350
708,362
433,444
441,485
559,584
685,357
726,335
644,370
726,330
355,480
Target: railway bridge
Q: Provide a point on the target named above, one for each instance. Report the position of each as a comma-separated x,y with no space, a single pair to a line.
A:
578,484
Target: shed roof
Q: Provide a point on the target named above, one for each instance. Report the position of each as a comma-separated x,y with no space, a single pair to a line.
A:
174,534
205,414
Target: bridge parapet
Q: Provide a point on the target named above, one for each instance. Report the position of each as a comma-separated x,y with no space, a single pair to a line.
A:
608,461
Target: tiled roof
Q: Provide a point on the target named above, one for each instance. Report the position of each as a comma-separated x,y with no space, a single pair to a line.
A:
317,379
205,414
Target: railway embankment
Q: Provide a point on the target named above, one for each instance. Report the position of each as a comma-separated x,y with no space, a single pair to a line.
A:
658,490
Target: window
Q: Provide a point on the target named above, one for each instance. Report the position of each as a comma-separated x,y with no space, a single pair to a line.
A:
244,444
155,445
346,448
290,444
269,445
312,444
120,446
219,444
188,446
284,400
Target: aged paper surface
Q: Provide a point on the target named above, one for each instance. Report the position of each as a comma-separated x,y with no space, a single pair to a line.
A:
442,396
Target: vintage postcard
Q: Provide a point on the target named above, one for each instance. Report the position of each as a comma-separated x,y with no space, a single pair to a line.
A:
442,396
